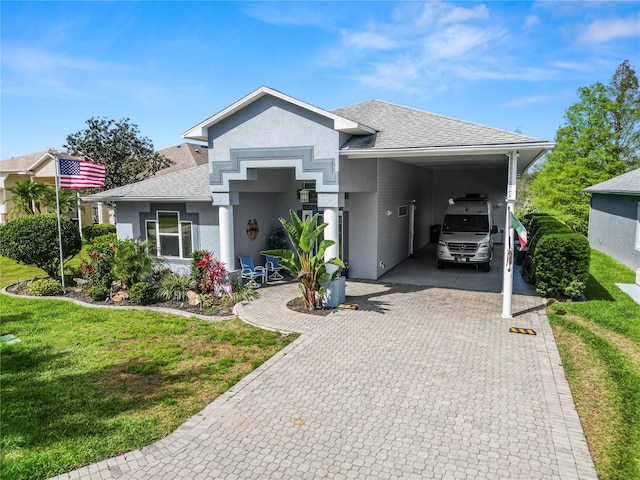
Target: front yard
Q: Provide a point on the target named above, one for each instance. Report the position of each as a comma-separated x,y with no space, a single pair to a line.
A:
85,384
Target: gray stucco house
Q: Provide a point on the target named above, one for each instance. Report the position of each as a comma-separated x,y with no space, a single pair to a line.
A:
379,173
614,218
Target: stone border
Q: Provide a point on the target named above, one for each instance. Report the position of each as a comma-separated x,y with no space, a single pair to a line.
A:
169,311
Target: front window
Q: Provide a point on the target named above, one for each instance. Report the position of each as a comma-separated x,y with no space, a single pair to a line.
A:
171,236
465,223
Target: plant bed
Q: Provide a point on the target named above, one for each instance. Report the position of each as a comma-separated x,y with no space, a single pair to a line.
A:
297,305
80,294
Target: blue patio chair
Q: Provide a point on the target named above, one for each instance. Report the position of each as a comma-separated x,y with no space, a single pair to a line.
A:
250,272
273,268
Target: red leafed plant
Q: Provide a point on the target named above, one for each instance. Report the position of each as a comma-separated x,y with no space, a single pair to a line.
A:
208,272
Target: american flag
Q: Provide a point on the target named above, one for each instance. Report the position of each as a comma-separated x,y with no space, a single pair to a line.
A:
81,174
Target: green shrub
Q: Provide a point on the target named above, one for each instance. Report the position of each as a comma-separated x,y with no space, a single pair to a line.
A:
92,231
98,266
142,293
133,262
33,240
562,265
98,293
207,299
45,287
174,287
108,238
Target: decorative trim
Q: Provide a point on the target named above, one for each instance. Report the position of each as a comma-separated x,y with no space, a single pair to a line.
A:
290,155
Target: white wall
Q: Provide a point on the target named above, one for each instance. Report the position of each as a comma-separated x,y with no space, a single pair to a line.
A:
398,184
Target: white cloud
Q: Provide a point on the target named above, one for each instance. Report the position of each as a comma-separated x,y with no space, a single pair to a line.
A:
531,21
458,40
531,100
367,40
602,31
30,60
441,14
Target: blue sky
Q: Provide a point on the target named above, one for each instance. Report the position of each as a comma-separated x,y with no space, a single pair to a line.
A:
169,65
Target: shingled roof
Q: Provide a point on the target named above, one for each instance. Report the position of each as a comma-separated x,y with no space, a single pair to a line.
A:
625,184
404,127
191,184
185,155
21,163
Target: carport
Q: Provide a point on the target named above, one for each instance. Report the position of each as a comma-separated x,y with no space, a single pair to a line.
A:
489,170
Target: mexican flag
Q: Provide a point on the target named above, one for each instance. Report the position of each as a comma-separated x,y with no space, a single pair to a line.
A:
519,228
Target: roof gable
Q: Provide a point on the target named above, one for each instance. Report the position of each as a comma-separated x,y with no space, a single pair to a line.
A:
199,132
404,127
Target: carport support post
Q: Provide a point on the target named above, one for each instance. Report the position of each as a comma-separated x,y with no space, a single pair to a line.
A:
507,272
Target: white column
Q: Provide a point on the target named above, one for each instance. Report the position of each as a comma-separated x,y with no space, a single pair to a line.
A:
227,251
507,273
332,232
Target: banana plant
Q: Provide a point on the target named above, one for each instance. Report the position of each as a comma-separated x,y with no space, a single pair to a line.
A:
310,269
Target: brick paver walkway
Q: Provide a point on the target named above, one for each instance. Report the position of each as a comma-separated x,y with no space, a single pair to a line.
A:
418,383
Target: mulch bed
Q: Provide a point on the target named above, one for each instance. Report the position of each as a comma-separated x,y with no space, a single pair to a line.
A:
297,305
81,294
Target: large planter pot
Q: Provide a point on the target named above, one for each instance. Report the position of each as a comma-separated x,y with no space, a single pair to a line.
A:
334,292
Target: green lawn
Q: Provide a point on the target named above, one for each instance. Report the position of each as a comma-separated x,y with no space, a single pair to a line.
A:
86,384
599,341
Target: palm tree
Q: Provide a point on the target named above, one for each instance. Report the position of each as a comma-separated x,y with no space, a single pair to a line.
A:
28,198
67,198
307,266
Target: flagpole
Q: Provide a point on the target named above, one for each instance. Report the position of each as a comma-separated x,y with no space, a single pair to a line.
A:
57,167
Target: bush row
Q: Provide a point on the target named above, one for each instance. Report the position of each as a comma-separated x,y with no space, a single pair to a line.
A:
92,231
557,259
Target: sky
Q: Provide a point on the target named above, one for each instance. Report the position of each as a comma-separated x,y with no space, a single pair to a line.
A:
167,66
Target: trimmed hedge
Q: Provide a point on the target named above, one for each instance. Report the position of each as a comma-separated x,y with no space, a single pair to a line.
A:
558,258
92,231
33,240
562,265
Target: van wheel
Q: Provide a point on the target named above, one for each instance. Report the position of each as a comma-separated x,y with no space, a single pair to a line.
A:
440,265
486,267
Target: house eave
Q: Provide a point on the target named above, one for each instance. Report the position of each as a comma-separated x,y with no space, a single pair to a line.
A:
542,147
115,198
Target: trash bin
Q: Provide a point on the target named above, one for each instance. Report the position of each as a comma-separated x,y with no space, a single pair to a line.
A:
434,233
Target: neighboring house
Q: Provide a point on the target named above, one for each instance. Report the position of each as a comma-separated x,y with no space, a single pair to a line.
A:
38,167
183,156
614,218
380,174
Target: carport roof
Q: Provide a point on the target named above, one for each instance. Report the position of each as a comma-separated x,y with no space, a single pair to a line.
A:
432,140
404,127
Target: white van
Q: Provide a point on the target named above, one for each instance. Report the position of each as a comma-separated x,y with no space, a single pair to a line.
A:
466,233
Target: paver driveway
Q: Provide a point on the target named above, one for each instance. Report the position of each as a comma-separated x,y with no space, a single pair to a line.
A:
418,383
